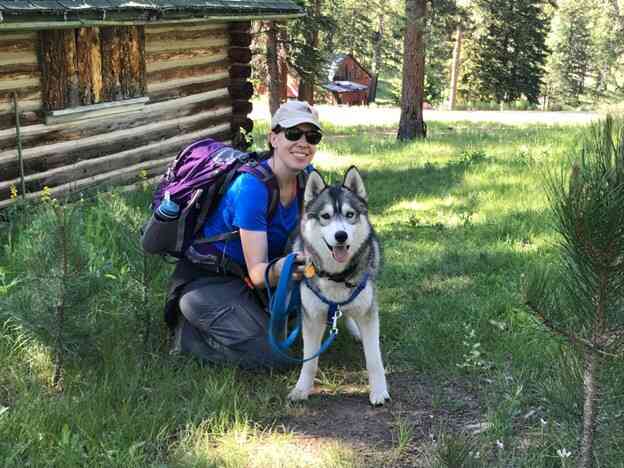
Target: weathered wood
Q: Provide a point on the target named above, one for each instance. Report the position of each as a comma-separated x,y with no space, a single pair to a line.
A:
202,28
183,71
38,135
94,111
161,85
71,70
89,59
14,68
18,45
239,54
59,86
240,26
169,44
7,121
241,39
18,36
135,50
241,107
47,157
187,90
185,54
35,77
18,58
240,89
182,34
242,121
111,64
197,61
56,179
240,70
121,175
31,92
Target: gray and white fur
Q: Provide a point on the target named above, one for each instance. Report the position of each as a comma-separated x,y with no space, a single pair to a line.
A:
336,234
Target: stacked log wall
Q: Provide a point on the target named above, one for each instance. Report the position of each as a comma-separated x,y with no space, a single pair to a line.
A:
197,87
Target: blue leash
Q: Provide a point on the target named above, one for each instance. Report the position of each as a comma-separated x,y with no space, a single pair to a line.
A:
282,306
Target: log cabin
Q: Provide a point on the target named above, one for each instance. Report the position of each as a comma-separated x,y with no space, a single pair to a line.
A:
349,82
99,92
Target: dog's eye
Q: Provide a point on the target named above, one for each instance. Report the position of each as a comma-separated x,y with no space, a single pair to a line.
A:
350,215
325,216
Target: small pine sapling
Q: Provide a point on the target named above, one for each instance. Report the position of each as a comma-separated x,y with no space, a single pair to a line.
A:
582,297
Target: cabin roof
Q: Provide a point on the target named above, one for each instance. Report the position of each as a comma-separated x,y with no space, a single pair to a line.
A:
64,13
337,60
344,87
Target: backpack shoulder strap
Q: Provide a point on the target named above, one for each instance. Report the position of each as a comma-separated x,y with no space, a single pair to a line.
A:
265,174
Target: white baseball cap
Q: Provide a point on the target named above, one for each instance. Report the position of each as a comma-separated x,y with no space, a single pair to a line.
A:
293,113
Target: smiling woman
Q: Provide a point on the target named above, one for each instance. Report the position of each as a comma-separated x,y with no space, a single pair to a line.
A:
221,315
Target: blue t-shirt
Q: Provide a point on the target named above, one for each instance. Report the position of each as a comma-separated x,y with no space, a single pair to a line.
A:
244,206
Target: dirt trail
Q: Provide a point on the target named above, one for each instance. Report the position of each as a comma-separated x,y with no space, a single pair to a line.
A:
420,408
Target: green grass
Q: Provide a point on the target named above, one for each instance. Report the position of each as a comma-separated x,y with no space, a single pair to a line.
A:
462,217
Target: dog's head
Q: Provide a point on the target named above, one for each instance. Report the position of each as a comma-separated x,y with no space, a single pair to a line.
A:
335,221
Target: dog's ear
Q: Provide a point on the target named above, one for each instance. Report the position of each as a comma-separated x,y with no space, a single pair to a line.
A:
314,186
353,181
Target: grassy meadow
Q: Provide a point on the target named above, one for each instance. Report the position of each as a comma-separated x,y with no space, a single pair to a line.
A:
462,218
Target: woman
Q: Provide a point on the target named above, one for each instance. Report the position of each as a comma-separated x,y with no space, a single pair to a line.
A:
221,316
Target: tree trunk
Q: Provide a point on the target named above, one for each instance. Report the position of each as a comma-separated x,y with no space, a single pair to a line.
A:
590,409
306,85
455,68
411,124
282,63
377,40
272,67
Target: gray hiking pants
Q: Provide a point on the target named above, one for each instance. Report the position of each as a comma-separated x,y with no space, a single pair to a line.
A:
222,321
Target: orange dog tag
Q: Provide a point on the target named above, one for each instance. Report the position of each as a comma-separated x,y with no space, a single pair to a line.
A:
309,271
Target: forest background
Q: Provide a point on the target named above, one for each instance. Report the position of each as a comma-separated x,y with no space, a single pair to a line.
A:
509,54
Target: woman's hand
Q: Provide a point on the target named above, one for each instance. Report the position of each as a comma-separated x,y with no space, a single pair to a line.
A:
255,251
300,263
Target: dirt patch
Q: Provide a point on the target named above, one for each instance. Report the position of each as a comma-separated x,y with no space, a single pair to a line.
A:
398,434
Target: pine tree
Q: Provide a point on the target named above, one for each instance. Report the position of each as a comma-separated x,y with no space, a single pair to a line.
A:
56,284
506,50
571,43
582,298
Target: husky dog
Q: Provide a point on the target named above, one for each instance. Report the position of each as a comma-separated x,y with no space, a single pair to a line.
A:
344,258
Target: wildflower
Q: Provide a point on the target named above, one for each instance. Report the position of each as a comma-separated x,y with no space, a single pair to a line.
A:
499,444
46,194
563,453
143,174
13,192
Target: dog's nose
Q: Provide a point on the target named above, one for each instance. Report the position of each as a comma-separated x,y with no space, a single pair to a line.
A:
341,236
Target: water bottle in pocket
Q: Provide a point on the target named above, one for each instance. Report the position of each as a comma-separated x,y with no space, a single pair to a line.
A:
161,231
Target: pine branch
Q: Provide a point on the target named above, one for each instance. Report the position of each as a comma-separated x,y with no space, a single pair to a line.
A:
573,339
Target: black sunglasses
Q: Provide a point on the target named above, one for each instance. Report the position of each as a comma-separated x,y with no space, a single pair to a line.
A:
313,137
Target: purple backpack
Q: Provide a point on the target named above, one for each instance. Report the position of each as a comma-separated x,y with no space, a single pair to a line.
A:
197,178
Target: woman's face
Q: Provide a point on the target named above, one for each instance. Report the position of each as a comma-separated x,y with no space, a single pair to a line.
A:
295,155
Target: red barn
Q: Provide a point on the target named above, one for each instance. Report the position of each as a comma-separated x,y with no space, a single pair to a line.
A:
349,82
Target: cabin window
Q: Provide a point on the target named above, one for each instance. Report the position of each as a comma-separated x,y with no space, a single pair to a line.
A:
83,69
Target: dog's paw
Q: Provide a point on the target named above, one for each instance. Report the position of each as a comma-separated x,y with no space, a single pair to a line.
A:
297,394
379,397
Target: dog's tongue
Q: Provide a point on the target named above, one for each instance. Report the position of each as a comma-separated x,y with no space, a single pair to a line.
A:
340,253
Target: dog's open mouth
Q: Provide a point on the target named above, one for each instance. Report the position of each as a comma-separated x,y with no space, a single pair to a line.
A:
340,252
